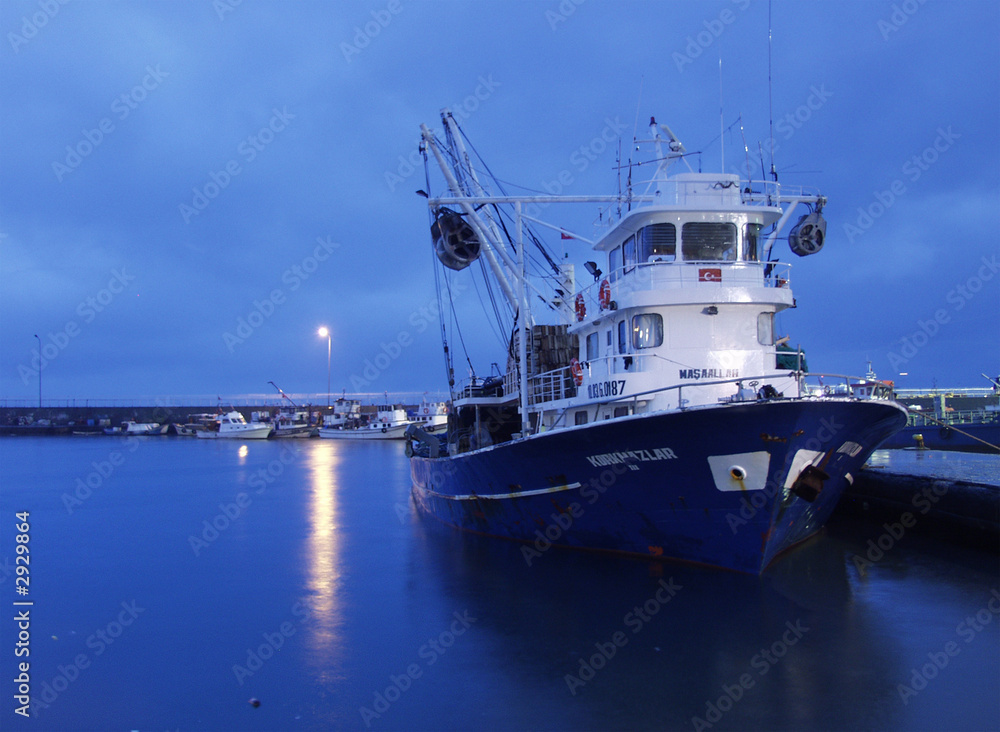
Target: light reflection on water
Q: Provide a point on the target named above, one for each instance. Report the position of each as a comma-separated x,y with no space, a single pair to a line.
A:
323,549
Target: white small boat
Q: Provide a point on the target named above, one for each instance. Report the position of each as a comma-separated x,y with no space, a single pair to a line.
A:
196,423
233,425
389,423
346,413
292,423
141,428
431,416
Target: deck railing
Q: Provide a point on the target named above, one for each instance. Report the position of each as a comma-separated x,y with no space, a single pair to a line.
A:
663,275
808,385
558,384
964,416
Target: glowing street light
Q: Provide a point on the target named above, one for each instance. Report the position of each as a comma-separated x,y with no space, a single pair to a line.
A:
324,332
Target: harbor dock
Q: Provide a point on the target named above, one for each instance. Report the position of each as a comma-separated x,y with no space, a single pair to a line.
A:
954,495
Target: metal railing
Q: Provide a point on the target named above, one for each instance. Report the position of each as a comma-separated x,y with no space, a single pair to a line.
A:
964,416
826,386
676,192
965,392
558,384
840,385
647,276
315,399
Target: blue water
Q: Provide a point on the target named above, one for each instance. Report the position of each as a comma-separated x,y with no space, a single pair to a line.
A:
326,599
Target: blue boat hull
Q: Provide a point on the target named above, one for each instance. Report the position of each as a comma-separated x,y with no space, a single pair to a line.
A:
661,484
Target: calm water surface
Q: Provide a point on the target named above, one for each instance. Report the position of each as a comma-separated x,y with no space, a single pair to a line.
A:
190,576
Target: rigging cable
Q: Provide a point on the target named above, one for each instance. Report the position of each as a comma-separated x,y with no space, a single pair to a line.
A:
458,328
500,187
448,363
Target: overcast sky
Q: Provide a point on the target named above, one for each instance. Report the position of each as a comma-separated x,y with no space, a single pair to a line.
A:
169,169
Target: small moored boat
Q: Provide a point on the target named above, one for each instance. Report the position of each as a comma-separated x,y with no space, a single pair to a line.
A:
233,425
388,423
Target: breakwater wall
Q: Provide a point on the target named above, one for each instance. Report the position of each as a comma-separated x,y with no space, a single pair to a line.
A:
65,420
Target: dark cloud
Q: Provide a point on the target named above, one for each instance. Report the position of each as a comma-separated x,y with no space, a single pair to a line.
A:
206,147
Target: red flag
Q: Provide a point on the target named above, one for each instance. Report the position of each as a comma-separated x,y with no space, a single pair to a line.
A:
564,235
710,275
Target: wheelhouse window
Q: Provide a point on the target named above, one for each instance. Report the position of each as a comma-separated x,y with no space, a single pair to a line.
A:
751,240
615,263
658,243
703,241
592,347
765,329
628,249
647,330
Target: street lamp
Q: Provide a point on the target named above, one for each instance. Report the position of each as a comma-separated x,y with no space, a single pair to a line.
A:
39,371
324,332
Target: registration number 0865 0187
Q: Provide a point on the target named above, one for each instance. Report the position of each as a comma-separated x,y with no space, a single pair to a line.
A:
602,389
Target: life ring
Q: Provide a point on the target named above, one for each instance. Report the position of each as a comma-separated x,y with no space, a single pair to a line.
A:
604,296
576,369
581,308
426,410
384,429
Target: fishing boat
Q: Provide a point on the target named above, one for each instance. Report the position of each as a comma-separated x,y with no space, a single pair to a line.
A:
195,423
642,409
344,413
290,421
430,416
233,425
132,428
389,422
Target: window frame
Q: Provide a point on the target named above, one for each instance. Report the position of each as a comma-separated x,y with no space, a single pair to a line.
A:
688,234
615,268
645,246
656,331
755,238
629,254
766,319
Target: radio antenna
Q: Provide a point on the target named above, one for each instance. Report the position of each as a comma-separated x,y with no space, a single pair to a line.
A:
722,122
638,105
770,101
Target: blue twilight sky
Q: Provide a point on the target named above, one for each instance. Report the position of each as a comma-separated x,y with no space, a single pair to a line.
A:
170,168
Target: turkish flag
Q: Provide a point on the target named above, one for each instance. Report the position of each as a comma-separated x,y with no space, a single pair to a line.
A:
710,275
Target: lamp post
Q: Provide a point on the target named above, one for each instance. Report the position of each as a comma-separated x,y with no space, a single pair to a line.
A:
324,332
39,371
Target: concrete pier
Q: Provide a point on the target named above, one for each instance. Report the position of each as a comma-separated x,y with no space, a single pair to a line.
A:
955,496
